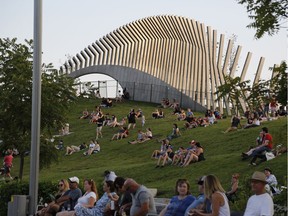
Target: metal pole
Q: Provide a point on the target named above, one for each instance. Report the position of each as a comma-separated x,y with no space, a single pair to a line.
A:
36,108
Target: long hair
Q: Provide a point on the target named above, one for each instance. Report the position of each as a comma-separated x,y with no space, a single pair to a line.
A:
179,183
66,185
110,184
93,186
211,185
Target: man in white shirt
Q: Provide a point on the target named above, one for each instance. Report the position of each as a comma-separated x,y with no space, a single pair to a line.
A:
260,204
109,175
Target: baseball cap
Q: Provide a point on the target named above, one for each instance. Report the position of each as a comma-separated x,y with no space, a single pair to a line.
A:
74,179
200,181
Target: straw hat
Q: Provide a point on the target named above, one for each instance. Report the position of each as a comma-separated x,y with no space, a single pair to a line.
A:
259,176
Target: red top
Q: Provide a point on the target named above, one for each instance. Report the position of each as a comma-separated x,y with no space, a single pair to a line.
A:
8,160
269,137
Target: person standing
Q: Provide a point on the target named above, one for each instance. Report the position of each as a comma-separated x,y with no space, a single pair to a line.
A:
261,202
8,162
132,119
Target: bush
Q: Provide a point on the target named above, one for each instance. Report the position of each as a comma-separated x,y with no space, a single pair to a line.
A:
7,189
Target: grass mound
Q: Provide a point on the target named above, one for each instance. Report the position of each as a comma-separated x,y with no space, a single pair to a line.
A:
222,151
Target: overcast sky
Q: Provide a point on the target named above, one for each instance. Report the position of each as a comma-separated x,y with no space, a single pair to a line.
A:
69,25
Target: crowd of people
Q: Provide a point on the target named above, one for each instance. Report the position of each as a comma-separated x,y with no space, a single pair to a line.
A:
124,196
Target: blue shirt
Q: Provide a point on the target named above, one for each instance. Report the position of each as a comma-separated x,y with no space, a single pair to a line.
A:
199,200
178,207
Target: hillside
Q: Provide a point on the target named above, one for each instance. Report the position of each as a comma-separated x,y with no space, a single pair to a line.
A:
222,151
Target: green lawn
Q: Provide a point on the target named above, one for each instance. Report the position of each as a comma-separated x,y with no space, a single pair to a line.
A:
222,151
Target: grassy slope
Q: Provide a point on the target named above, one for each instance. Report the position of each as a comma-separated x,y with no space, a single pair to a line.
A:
222,151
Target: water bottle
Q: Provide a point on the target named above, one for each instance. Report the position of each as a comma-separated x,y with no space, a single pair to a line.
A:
112,205
68,207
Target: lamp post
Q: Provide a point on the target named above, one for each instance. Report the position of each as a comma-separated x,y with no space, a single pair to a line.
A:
36,107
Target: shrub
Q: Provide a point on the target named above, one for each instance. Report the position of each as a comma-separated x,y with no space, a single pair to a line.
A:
7,189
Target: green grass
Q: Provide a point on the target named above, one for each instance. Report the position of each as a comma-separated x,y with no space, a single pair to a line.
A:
222,151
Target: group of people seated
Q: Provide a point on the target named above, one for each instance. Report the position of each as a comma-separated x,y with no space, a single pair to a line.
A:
122,196
182,157
106,102
142,136
93,148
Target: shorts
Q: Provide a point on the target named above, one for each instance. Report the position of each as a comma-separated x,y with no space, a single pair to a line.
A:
7,169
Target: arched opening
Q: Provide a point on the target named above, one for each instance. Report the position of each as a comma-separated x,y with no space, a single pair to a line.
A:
99,85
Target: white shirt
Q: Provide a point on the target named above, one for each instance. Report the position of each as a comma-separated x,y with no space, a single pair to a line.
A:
84,200
224,210
92,145
260,205
110,177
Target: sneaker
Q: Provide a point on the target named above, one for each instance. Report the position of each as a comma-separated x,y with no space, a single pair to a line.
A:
157,166
253,164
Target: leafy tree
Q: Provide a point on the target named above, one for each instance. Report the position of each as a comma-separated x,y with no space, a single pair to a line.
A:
279,83
268,15
234,89
257,94
16,101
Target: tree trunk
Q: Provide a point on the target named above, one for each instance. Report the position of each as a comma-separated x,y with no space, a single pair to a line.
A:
21,166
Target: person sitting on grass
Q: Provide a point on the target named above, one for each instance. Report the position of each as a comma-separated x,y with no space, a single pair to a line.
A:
181,116
122,133
196,155
231,194
254,123
175,132
113,122
271,181
94,147
179,156
259,141
140,138
165,156
148,135
156,153
85,114
266,146
235,122
72,149
122,122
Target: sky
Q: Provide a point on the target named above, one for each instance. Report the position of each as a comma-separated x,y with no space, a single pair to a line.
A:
69,25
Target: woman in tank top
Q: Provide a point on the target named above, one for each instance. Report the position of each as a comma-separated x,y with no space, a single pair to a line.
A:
215,193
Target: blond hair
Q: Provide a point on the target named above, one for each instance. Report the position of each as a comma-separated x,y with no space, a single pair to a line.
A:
211,185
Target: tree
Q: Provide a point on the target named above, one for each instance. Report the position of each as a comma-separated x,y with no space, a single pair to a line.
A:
16,101
235,90
268,15
278,83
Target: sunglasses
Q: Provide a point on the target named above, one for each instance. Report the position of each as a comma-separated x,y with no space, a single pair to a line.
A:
60,185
